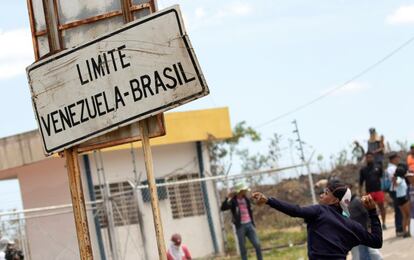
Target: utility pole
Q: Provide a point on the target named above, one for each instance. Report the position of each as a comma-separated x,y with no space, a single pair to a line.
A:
302,157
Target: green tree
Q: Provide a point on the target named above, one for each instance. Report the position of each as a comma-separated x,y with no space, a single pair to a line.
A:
222,152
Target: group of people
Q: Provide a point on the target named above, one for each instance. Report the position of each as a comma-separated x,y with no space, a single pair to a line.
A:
396,179
342,221
9,251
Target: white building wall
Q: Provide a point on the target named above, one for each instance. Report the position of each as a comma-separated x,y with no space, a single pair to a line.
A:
45,184
168,160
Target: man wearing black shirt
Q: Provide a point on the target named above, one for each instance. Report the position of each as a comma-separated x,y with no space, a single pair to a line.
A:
331,234
371,175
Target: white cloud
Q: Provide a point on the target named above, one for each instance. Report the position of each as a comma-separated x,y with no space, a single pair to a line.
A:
348,89
239,8
219,14
200,13
403,15
16,52
234,9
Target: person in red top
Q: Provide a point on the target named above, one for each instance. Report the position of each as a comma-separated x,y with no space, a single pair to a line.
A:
177,250
410,159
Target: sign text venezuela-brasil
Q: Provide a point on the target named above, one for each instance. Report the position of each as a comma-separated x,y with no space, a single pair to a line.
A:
144,68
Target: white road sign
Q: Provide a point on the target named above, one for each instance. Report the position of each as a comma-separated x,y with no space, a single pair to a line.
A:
144,68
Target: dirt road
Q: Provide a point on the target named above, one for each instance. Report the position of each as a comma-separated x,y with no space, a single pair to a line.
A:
396,248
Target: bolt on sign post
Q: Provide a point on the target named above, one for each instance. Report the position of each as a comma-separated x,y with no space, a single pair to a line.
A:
83,90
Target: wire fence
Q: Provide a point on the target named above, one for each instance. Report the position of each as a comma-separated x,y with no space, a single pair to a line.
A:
121,213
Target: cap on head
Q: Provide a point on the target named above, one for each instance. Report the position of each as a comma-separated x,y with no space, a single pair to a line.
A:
4,242
176,239
337,188
241,186
342,192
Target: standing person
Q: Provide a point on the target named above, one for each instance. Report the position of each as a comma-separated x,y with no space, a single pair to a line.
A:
176,250
410,159
358,152
12,253
241,210
359,214
394,160
331,235
371,175
3,246
376,146
401,190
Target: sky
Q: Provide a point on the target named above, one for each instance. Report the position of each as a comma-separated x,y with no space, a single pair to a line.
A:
265,58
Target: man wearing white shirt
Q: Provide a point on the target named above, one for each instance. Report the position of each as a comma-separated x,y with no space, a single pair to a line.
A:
394,159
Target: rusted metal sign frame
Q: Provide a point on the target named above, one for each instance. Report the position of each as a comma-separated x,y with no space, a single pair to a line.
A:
43,76
116,137
130,8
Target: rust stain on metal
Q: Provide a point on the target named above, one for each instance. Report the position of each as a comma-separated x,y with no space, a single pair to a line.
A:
40,33
78,202
89,20
140,7
59,32
33,29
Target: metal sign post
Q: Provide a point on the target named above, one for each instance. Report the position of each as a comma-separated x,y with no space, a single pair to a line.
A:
149,166
71,154
78,203
146,147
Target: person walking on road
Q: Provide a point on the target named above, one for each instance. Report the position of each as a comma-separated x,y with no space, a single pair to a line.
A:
401,192
331,234
394,160
240,206
371,175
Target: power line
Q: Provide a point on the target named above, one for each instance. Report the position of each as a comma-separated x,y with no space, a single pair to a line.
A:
360,74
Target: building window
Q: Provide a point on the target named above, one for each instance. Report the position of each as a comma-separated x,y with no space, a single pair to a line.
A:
186,199
124,206
162,191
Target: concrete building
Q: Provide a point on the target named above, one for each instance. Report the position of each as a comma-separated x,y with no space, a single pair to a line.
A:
190,209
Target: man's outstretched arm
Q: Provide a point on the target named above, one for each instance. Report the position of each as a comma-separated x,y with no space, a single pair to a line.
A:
292,210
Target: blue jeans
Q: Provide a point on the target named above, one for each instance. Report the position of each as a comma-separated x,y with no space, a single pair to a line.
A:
397,212
363,253
248,230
